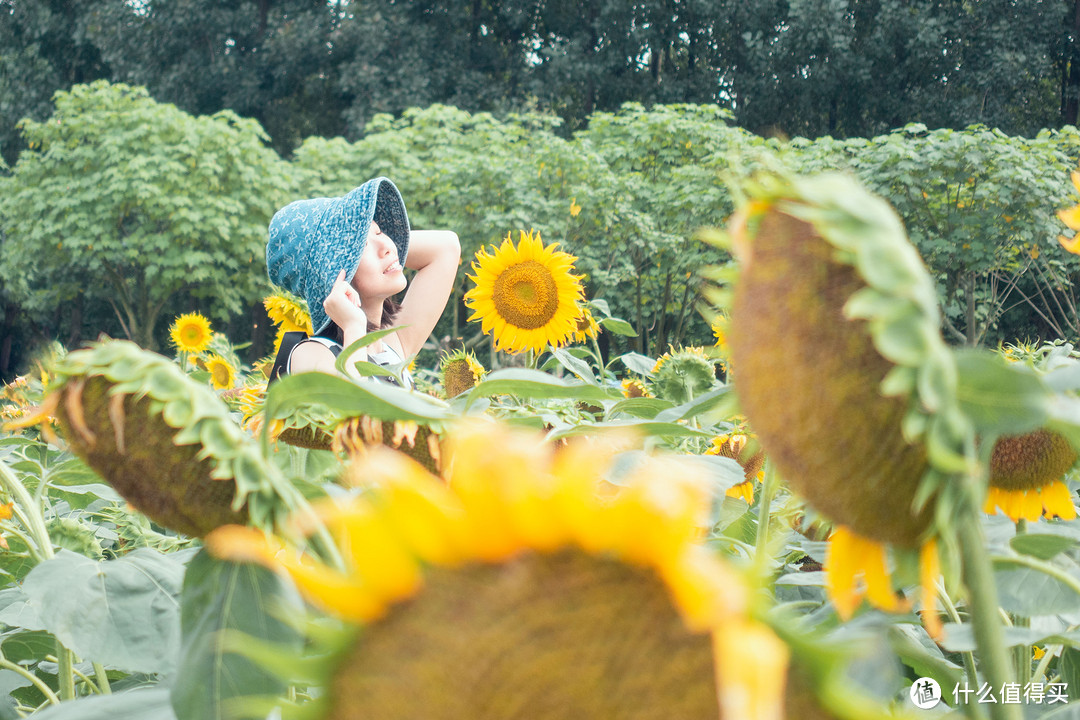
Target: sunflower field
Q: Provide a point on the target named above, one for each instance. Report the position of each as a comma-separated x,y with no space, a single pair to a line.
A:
826,511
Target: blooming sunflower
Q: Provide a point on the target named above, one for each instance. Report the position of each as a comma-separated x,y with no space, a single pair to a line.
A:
526,296
1026,474
516,591
222,373
191,333
734,446
585,327
459,372
289,314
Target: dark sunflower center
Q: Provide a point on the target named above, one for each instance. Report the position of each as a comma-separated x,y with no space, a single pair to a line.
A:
542,637
458,377
525,295
221,374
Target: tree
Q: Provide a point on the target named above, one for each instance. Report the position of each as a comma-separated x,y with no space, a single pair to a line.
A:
41,51
132,201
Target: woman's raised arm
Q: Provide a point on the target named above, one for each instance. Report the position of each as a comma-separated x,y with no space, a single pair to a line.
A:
435,255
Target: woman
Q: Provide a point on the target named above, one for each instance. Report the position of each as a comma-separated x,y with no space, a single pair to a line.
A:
345,256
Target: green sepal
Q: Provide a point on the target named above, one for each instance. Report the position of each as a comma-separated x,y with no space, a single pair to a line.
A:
192,412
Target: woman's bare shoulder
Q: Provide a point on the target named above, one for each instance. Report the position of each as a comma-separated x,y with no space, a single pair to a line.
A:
311,355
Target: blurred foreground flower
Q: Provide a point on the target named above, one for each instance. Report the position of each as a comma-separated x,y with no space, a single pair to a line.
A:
518,591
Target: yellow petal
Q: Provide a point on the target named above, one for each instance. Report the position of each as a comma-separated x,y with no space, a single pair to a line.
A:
750,683
1071,217
1057,500
1070,244
705,591
879,589
841,564
929,570
1032,506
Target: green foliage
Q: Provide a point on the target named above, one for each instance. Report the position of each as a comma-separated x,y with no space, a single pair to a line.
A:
220,597
978,204
132,201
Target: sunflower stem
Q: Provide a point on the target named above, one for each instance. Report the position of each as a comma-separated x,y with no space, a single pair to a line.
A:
761,540
599,358
102,679
978,576
954,615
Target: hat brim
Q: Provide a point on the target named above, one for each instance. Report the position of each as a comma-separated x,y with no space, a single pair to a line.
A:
343,229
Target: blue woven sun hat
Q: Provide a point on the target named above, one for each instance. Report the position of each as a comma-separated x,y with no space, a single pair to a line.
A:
311,241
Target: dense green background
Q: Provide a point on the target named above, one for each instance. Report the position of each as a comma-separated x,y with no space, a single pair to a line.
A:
494,116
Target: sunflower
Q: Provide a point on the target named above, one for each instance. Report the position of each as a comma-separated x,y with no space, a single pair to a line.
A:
289,314
191,333
357,435
586,327
1026,476
634,388
835,263
515,590
681,375
525,297
734,446
222,374
459,372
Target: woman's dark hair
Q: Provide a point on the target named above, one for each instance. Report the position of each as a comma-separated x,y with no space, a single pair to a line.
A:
390,310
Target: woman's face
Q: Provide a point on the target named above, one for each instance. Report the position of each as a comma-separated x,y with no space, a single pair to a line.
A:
379,275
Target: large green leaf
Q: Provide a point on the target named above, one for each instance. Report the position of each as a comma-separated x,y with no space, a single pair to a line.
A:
575,365
124,613
351,399
143,704
723,473
1042,545
999,397
698,406
525,383
223,596
1029,588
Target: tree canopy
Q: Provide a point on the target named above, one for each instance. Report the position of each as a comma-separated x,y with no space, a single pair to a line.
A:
132,201
808,68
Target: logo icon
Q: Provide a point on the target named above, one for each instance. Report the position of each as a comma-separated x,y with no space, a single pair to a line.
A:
925,693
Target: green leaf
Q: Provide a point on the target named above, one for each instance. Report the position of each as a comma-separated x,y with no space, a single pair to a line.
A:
142,703
27,646
698,406
124,613
618,326
525,383
1031,591
351,399
916,650
576,366
638,363
723,473
220,596
640,407
999,397
961,637
367,339
646,427
1041,545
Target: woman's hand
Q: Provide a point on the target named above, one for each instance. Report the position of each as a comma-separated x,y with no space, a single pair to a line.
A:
342,306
